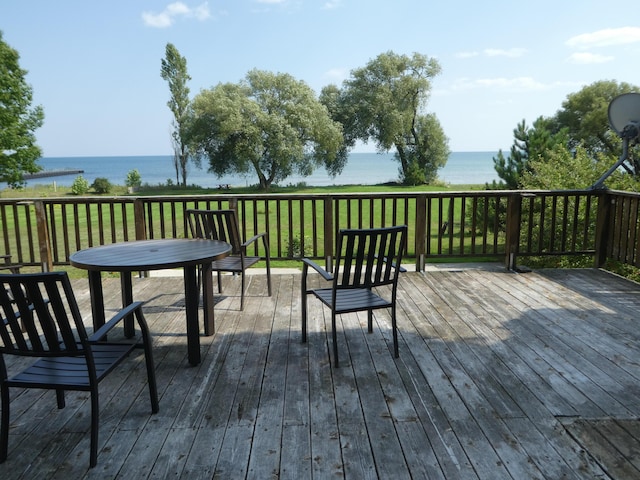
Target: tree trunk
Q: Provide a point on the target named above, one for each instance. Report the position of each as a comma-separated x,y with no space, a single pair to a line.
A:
403,159
184,158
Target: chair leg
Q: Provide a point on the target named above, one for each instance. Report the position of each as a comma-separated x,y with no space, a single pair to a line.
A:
394,330
4,424
219,282
269,279
334,337
93,449
303,302
60,398
370,321
148,359
242,290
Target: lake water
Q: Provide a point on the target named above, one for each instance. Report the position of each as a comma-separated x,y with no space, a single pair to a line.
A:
362,168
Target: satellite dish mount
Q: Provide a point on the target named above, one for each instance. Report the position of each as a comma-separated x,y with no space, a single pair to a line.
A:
624,118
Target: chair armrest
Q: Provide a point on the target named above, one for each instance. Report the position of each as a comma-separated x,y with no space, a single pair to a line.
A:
118,317
326,275
393,264
13,268
253,239
7,265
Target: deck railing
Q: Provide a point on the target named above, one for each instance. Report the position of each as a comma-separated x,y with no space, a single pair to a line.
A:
501,225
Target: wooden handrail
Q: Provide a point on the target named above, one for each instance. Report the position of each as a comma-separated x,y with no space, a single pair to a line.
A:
504,224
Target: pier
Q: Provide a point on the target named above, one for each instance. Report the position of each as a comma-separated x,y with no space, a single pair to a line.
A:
52,173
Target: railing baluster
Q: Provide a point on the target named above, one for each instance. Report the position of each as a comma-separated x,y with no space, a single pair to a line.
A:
551,223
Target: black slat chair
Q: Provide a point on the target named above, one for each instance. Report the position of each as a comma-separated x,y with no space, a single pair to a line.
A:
223,225
53,334
365,259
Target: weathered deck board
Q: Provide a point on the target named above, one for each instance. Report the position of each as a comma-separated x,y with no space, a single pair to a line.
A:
500,375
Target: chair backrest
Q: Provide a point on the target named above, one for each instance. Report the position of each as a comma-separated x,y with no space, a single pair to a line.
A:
369,257
216,225
40,316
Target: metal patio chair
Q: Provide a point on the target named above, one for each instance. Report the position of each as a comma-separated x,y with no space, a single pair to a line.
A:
223,225
65,357
366,259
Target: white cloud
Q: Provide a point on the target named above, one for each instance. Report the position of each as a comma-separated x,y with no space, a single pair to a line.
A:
498,52
493,52
586,58
167,17
272,2
605,38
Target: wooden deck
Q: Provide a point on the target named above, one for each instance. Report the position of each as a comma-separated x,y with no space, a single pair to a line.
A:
500,376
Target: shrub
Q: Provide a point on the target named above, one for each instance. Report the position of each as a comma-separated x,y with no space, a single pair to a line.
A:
101,185
298,247
415,175
80,185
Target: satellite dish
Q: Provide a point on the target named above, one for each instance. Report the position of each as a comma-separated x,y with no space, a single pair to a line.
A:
624,118
624,113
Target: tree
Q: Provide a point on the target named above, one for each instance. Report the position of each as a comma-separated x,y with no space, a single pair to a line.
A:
18,120
581,123
585,115
174,71
529,142
385,102
269,123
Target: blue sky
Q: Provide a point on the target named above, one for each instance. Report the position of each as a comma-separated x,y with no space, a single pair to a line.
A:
95,66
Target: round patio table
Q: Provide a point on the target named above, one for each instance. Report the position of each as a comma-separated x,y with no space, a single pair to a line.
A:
144,255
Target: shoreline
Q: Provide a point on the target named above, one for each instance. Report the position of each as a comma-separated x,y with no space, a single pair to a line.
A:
361,168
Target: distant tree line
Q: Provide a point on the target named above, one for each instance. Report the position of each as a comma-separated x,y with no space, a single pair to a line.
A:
275,126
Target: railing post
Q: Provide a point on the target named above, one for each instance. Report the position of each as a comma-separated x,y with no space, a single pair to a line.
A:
421,231
603,221
44,242
138,215
512,241
328,232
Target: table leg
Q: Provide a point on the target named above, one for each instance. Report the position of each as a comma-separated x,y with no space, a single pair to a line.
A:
97,299
126,289
207,299
192,299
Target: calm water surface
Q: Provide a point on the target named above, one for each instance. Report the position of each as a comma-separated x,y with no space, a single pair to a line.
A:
362,168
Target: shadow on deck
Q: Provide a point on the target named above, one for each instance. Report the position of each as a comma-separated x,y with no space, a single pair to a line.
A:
500,375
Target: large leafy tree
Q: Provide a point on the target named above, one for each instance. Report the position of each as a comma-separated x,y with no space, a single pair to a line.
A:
385,102
581,124
585,116
174,71
271,124
18,120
